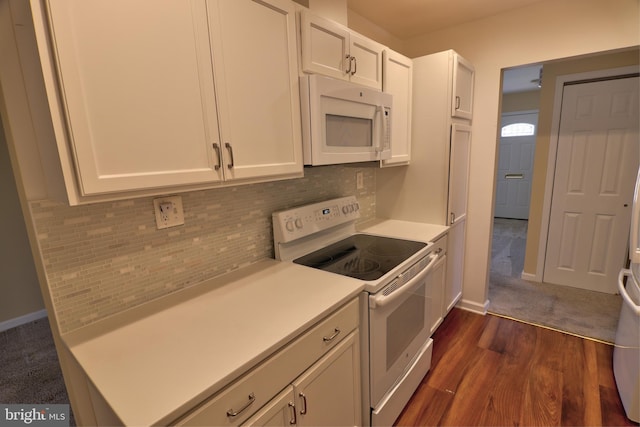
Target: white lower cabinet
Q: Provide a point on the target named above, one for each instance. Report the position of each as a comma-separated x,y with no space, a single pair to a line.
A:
314,380
327,394
437,291
455,264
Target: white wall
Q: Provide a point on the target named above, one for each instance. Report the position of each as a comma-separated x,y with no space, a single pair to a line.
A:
544,31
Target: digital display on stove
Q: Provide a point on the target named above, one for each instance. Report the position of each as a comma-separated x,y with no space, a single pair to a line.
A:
326,211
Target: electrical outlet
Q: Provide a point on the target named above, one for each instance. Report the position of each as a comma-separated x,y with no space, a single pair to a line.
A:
168,211
359,180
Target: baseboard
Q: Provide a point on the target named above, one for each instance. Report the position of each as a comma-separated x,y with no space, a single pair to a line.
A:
21,320
529,277
473,306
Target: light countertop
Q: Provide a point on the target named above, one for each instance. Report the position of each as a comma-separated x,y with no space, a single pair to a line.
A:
153,363
403,229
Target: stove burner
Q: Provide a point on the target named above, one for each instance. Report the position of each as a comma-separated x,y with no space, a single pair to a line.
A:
361,266
362,256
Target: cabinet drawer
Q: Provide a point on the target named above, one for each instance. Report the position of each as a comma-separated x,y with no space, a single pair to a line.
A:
258,386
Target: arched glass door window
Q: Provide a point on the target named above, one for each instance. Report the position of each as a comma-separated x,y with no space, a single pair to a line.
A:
518,129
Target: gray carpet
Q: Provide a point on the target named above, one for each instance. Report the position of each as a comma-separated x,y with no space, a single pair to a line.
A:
29,367
576,311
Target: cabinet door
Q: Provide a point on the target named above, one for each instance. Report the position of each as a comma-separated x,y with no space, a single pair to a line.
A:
328,393
459,173
255,62
455,264
366,61
325,46
463,78
397,80
134,79
279,412
436,292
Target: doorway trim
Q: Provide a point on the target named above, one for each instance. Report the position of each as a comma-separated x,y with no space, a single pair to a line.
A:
561,81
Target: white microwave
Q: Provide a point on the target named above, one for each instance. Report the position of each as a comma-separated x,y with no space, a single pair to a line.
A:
343,122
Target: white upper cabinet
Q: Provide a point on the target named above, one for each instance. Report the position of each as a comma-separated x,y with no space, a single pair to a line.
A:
463,79
256,76
132,77
150,95
333,50
397,80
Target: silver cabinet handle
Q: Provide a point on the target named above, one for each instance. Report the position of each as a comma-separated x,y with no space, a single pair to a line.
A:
304,403
228,147
348,58
216,148
293,419
231,413
453,217
355,65
457,102
336,332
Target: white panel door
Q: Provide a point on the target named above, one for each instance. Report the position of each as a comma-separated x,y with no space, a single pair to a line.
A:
515,168
597,160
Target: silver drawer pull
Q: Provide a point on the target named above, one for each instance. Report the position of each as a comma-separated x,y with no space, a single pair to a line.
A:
336,332
231,413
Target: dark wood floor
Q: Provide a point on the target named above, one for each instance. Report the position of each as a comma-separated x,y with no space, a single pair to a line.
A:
488,370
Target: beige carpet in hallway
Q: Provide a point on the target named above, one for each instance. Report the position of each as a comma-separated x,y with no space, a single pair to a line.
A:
576,311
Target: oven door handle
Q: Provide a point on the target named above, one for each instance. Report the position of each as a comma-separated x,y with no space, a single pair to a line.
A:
380,300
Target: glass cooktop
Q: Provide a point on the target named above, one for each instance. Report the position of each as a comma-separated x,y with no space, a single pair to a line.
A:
362,256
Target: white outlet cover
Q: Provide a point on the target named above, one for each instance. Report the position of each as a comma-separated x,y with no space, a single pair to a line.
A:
174,217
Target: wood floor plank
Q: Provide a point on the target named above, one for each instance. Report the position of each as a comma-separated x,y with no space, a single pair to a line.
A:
426,415
590,385
505,395
494,371
471,397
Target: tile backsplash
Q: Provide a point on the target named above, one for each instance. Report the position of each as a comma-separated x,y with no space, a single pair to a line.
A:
103,258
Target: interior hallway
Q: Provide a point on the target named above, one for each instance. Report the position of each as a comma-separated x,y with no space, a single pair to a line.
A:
581,312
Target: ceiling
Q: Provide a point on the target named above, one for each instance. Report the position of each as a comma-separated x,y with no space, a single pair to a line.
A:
521,79
409,18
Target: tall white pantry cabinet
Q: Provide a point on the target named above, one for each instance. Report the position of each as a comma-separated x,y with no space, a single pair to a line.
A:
434,187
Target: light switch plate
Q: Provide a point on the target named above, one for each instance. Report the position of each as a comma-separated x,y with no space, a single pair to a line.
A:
168,211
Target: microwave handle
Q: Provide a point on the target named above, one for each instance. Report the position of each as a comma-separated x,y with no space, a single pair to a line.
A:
380,144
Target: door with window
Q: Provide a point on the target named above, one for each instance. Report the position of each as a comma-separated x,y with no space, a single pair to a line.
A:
515,164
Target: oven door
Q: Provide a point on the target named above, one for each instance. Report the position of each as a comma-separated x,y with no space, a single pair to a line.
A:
399,327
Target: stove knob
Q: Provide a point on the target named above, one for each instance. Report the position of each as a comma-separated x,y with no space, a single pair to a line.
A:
298,223
345,209
289,225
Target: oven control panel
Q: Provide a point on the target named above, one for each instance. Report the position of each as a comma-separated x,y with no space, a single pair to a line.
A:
302,221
